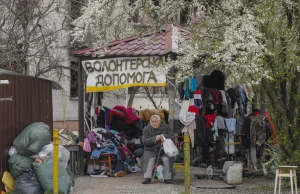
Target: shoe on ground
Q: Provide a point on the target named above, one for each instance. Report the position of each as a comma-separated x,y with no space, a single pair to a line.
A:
120,174
146,181
168,181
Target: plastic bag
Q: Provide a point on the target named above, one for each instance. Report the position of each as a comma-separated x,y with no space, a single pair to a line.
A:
87,145
169,147
47,153
160,172
17,164
31,140
44,172
28,183
8,181
72,178
12,151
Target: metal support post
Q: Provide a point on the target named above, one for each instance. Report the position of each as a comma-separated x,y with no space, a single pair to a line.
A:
81,113
55,161
171,96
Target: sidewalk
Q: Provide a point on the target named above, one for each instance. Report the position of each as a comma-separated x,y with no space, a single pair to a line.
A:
118,185
132,184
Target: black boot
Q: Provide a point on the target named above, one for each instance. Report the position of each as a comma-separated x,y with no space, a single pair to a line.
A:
146,181
168,181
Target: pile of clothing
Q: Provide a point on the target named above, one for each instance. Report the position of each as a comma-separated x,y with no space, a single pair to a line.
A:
121,119
128,151
119,132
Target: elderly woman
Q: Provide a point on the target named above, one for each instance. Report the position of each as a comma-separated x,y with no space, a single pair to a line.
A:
152,140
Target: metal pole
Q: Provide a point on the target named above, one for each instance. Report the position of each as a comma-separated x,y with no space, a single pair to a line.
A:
187,157
55,161
81,113
171,96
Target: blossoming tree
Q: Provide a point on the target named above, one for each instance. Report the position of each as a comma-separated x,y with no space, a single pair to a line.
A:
250,40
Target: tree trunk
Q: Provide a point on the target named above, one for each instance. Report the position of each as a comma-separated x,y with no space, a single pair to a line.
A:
148,94
293,102
262,97
277,104
132,91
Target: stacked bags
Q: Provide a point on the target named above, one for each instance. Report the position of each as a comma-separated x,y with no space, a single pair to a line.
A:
31,177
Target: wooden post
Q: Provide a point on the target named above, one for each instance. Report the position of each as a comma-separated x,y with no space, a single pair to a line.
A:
187,161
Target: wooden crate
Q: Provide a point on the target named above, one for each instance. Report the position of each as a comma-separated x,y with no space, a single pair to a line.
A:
75,154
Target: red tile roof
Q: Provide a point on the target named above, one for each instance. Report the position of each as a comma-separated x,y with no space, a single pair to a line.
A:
159,43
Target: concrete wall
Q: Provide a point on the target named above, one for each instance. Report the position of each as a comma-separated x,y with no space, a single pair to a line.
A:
140,102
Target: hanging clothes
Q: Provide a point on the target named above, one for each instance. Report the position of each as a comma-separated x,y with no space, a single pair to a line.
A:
190,129
210,120
258,130
221,122
193,84
215,80
200,132
189,86
248,91
243,98
230,125
199,79
207,95
218,125
257,137
195,102
239,125
181,91
215,130
186,88
229,109
216,95
235,100
186,117
246,132
224,99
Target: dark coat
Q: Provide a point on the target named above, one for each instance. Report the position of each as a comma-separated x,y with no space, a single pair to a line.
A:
151,146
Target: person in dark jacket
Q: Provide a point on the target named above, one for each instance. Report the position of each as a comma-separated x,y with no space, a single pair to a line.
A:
152,140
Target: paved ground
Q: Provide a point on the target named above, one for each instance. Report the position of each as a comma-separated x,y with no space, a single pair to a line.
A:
131,184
